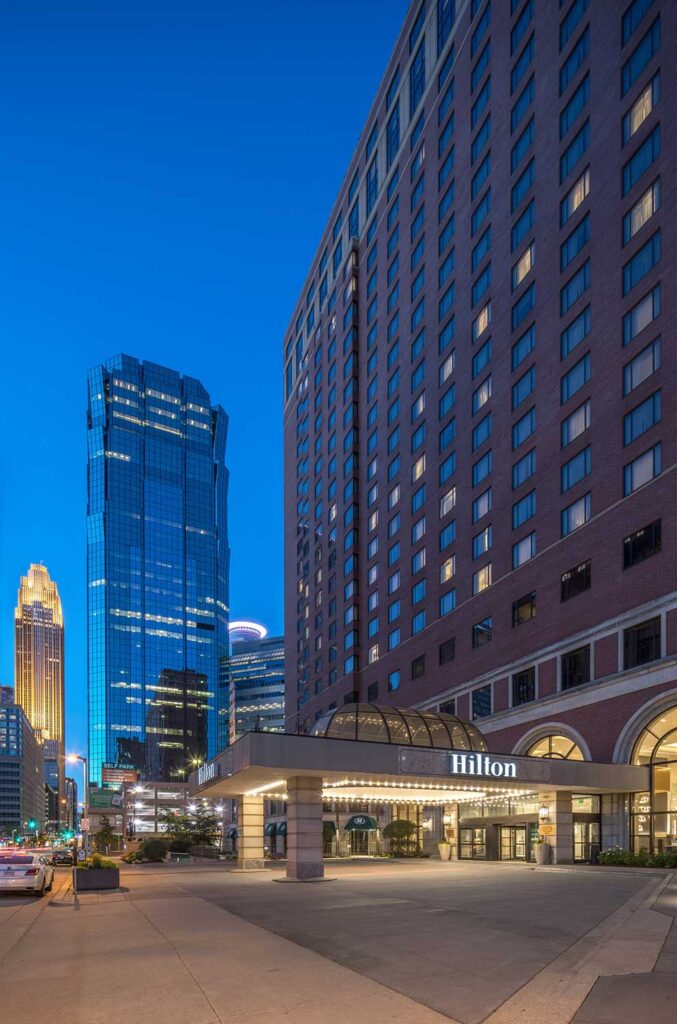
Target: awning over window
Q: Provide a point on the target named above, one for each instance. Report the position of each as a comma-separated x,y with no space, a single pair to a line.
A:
270,829
232,832
360,823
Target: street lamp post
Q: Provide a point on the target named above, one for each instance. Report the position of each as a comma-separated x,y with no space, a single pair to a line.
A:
73,759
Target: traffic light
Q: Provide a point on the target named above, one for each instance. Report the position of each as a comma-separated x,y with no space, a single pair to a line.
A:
32,824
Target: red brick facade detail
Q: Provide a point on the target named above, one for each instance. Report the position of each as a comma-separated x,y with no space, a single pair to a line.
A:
606,656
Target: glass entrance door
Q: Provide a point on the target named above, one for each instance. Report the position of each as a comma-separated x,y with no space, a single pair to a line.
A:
473,844
513,842
586,841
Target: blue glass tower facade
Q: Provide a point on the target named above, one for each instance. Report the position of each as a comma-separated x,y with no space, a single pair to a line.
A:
157,569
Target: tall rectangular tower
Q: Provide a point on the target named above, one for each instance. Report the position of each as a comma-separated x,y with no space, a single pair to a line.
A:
479,379
157,569
39,670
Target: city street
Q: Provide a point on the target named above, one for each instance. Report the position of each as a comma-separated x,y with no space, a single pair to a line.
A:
380,941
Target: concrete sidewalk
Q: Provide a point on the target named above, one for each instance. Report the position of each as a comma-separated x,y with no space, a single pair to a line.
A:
167,955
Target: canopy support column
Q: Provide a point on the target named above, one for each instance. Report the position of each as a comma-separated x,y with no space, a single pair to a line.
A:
304,828
559,827
250,828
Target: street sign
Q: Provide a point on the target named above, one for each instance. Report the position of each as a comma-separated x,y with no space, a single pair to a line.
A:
82,855
84,824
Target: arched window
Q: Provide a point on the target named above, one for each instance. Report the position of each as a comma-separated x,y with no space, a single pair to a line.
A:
654,814
558,746
658,742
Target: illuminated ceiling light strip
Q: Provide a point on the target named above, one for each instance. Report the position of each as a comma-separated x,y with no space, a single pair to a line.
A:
266,788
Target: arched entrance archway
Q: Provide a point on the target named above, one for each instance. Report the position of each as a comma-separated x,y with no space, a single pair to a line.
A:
654,814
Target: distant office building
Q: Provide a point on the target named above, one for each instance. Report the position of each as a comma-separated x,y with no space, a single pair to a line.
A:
157,565
39,668
71,816
6,695
144,806
256,678
22,786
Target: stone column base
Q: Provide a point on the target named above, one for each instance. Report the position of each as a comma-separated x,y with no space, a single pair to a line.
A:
251,864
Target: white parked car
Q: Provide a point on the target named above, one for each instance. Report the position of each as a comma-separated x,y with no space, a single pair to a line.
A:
27,872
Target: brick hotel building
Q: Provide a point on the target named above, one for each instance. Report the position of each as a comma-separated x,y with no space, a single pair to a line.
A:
479,380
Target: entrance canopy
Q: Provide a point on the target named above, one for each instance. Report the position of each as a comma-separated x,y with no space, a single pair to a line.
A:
261,763
361,823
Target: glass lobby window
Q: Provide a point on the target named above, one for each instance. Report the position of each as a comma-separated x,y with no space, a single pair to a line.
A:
556,746
654,815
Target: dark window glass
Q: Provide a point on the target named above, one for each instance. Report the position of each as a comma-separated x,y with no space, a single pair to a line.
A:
524,686
642,643
575,581
524,609
481,702
576,667
418,667
372,692
447,651
642,544
481,632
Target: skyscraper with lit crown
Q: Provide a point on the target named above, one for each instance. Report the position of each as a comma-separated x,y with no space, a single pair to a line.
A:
39,667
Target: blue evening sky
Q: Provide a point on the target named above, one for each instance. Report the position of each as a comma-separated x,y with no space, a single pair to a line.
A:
167,168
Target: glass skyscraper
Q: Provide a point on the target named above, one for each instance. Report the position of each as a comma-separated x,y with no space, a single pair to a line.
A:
256,680
157,569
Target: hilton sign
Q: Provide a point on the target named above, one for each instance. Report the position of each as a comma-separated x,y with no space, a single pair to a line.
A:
206,772
481,764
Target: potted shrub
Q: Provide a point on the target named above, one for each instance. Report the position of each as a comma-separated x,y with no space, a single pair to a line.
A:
445,849
96,872
541,850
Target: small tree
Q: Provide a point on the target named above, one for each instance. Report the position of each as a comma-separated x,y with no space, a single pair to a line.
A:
201,828
400,833
104,837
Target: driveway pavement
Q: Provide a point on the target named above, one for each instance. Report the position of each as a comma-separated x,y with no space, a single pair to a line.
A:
412,944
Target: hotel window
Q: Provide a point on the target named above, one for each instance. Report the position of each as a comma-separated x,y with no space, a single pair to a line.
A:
574,107
641,470
641,315
481,542
574,151
481,702
644,260
418,561
481,433
524,510
575,667
393,681
481,321
521,25
394,582
522,226
575,333
523,266
480,67
480,251
522,185
522,64
522,104
574,61
524,687
524,468
394,639
418,667
522,388
481,358
575,379
640,57
481,469
417,79
575,242
524,609
641,160
641,108
524,428
481,139
481,506
448,569
372,184
571,20
447,536
480,30
447,602
448,707
418,623
575,470
642,643
447,651
523,550
481,632
642,544
641,212
575,515
393,136
447,401
522,146
575,197
446,12
523,346
633,16
394,611
642,418
575,581
575,288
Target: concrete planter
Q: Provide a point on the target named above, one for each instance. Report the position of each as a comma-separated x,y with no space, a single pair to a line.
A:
542,851
444,851
88,880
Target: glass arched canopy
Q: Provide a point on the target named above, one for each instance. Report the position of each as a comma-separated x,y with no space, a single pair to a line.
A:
381,724
658,741
556,746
